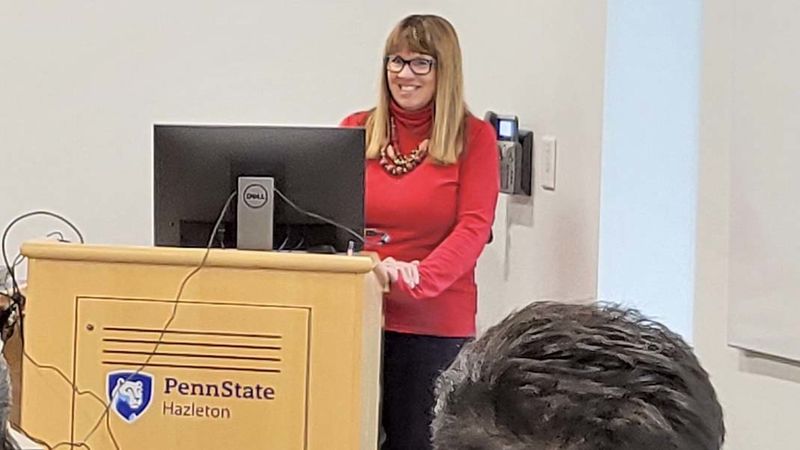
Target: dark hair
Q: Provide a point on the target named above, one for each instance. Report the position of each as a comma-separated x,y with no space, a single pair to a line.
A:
559,376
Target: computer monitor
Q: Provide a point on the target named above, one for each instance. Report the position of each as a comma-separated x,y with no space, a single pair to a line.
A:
321,170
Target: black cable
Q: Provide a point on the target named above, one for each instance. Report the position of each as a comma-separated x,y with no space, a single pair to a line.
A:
105,415
14,285
20,258
173,314
10,315
107,405
18,302
318,217
285,241
61,374
17,299
57,233
74,389
63,443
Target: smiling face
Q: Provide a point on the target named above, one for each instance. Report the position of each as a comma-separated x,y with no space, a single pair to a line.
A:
411,87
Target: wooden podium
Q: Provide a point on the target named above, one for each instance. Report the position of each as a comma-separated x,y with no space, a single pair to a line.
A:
266,350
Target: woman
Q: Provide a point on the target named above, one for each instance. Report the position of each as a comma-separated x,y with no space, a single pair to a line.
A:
432,181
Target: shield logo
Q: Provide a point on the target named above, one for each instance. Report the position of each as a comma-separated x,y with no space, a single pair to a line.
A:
129,393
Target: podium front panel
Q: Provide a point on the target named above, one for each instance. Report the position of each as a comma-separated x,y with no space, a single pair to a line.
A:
262,351
243,377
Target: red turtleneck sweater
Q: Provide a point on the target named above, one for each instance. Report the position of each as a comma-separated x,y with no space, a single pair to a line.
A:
439,215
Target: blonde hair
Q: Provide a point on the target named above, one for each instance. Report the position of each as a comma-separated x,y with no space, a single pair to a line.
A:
435,36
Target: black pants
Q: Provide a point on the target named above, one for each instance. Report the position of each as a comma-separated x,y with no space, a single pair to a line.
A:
411,364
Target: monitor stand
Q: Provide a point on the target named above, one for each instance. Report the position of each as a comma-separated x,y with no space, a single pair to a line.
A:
254,214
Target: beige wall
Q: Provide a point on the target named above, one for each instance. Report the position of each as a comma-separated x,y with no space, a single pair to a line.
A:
82,83
760,396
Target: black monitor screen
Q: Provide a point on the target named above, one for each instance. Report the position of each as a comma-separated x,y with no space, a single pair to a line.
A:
196,168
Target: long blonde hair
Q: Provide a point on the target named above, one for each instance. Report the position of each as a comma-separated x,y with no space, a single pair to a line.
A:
435,36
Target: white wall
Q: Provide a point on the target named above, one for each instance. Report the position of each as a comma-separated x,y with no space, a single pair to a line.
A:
649,169
552,77
764,240
82,83
760,396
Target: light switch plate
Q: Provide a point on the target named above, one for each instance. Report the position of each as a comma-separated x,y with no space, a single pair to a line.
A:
548,163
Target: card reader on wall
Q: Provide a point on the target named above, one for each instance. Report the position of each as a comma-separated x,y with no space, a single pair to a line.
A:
516,154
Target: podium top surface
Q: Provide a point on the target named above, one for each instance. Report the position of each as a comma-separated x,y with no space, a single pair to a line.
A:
192,256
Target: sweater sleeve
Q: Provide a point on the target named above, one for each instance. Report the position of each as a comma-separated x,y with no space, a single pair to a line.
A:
354,120
479,185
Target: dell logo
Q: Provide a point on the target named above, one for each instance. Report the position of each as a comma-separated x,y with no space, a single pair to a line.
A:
255,196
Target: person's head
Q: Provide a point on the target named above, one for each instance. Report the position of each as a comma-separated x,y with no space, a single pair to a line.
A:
421,67
557,376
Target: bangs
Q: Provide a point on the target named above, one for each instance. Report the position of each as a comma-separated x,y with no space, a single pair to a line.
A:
413,36
433,36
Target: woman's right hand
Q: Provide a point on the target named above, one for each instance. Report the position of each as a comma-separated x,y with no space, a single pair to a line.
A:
394,270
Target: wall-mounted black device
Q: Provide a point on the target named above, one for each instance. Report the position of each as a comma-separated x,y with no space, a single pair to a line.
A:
516,154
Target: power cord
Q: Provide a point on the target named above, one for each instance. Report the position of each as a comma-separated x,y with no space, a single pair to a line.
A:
9,317
76,390
152,354
11,224
18,301
318,217
105,416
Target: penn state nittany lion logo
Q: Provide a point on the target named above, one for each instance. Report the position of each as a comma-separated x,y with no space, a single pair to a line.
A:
129,393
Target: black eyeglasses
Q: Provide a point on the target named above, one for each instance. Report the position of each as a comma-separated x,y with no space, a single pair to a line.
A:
420,66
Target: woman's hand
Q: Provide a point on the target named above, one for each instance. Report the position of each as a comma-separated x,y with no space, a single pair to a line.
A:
393,270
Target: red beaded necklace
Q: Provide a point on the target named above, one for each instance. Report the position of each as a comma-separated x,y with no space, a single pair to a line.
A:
394,162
